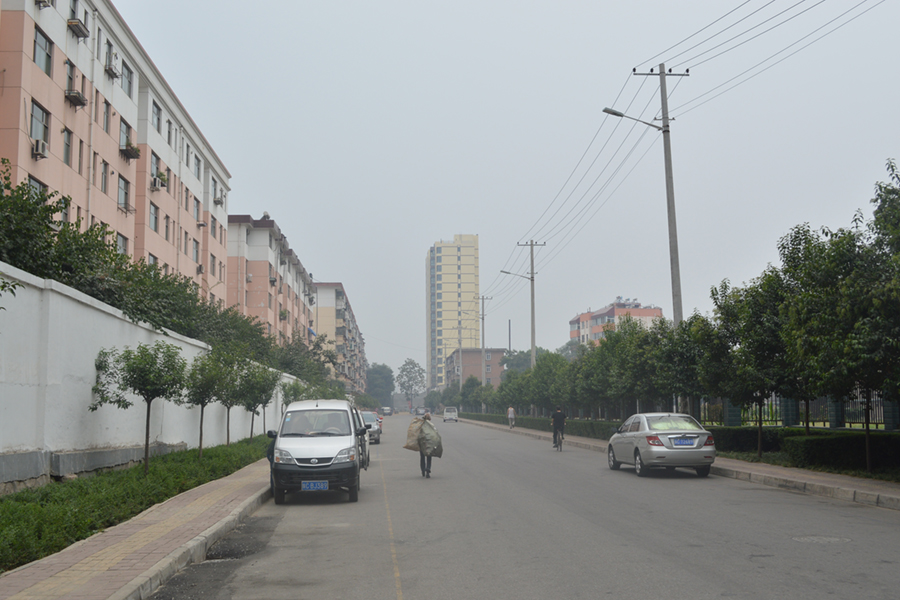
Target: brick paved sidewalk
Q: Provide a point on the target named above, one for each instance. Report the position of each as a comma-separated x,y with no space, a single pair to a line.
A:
842,487
131,560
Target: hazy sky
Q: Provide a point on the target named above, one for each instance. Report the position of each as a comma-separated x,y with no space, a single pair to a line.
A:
370,130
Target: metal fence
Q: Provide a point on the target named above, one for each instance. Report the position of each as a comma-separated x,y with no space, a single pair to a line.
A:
853,409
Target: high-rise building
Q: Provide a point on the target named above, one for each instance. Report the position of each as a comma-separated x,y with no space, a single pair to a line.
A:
335,319
452,309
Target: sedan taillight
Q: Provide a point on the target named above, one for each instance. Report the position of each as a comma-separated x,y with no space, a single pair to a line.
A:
654,440
709,441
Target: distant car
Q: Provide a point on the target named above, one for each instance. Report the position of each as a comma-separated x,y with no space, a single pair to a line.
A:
387,410
451,414
370,417
420,411
669,440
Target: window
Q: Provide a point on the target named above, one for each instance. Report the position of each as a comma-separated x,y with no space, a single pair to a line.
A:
212,227
197,166
487,368
127,79
196,209
187,154
154,217
80,156
195,251
70,75
185,243
43,51
124,189
167,228
156,117
122,243
36,185
169,130
152,260
124,133
40,123
106,111
67,147
104,177
154,164
212,265
487,356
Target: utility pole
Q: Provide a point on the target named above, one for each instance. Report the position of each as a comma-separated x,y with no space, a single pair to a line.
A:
531,244
483,367
677,312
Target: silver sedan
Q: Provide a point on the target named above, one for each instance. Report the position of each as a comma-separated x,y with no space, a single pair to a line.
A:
653,440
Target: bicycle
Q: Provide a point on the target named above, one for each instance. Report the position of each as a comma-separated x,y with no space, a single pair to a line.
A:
558,439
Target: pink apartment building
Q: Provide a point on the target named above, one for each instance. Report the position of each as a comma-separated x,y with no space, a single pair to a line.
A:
266,279
84,112
335,319
589,327
471,366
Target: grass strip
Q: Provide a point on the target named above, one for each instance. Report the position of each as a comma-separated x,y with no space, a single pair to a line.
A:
40,522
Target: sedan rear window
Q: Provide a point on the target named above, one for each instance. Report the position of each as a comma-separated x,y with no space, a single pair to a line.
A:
673,422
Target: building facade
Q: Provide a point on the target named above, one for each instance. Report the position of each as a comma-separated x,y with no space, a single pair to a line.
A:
589,327
84,112
470,365
335,318
266,279
452,294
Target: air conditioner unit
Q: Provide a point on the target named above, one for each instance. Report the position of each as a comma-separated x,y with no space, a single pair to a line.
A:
39,150
155,183
249,277
219,200
199,269
273,280
202,224
43,3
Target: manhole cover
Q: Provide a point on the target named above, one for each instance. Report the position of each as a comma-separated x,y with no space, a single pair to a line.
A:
820,539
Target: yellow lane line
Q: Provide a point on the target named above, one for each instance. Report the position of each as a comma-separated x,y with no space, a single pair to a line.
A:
391,536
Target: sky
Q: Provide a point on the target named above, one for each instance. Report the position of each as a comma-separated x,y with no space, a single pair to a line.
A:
371,130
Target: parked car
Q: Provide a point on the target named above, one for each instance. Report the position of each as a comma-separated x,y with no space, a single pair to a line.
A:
669,440
371,418
451,414
320,445
387,410
420,411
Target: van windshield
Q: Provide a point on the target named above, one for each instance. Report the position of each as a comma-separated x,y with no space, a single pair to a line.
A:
316,422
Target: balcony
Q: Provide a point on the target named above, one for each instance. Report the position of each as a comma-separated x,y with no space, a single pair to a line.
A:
76,98
130,151
77,27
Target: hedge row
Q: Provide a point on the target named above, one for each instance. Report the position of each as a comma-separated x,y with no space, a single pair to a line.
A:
824,448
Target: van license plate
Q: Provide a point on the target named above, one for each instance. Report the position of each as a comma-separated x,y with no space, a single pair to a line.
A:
313,486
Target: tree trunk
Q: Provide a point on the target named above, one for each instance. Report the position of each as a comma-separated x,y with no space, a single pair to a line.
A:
202,408
759,435
228,426
252,416
147,441
807,415
868,437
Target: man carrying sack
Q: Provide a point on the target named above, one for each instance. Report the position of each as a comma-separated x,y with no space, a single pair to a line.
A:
423,437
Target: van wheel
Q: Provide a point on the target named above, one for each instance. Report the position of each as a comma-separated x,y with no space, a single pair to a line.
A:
278,495
354,492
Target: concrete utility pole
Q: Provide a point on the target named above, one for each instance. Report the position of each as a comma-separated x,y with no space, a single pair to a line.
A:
677,312
483,365
530,277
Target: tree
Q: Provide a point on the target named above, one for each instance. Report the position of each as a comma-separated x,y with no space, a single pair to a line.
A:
205,381
411,380
150,372
520,360
380,383
255,388
571,350
308,363
433,399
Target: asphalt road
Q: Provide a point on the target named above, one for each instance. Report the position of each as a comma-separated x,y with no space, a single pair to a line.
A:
505,517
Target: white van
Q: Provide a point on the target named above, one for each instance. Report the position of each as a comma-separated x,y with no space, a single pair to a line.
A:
320,445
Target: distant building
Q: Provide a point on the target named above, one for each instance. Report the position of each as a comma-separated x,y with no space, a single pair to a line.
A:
452,311
589,327
266,280
335,318
470,365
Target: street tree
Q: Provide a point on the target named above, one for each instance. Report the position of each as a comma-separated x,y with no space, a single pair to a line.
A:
411,379
204,382
149,372
255,388
380,383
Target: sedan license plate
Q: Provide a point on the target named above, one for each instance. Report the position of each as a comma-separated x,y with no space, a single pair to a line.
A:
314,486
684,442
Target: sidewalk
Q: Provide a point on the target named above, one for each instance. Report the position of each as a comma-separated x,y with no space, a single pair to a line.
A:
842,487
131,560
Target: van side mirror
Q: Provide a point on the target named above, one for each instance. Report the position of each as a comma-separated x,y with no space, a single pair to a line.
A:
272,433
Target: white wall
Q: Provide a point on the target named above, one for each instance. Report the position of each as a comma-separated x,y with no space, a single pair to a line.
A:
50,335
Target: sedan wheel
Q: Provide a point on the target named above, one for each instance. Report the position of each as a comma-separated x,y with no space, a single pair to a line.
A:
611,460
639,467
702,471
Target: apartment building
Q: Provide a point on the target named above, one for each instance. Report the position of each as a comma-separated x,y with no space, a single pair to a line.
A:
266,279
335,318
588,327
452,311
469,364
85,112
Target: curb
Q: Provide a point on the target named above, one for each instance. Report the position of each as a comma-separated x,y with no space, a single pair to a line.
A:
194,551
881,500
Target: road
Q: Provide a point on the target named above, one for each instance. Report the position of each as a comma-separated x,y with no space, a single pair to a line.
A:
505,517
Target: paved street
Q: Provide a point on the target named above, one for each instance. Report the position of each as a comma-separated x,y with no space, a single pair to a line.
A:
505,517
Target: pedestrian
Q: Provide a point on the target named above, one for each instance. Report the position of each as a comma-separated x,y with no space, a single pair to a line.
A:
425,461
558,419
511,414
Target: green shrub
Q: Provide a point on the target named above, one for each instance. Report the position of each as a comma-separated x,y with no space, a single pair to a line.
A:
845,451
39,522
601,430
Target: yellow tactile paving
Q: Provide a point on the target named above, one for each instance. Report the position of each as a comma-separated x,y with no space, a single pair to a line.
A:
101,565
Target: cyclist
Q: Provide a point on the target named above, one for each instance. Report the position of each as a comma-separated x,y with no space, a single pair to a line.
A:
558,419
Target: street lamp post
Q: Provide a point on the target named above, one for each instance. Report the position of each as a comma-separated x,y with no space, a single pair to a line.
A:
677,312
